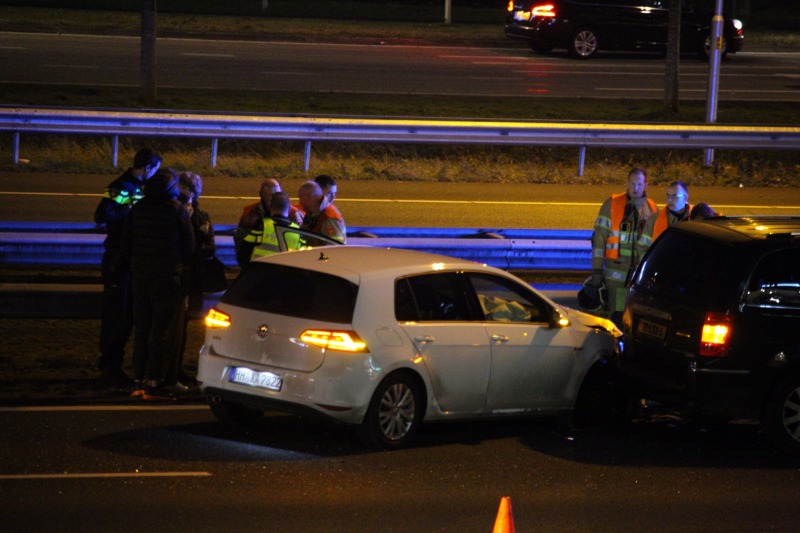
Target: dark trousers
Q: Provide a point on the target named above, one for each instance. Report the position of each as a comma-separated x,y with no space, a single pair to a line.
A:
117,314
156,311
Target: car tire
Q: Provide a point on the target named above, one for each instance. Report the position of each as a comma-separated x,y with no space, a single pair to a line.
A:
603,399
234,414
583,44
705,50
781,420
540,48
395,413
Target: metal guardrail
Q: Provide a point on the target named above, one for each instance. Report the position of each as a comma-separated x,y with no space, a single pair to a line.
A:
401,130
520,249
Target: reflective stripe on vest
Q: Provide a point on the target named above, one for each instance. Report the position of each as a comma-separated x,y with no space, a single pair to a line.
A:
266,241
662,223
618,203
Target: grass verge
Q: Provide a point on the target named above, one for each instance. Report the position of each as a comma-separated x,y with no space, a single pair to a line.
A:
282,160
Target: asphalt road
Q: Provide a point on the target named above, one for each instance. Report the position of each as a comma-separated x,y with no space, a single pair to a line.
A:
73,198
179,470
389,69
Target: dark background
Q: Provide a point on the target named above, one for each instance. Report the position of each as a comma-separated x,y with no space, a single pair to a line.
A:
757,14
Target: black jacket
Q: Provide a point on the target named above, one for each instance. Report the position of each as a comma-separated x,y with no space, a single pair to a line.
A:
157,236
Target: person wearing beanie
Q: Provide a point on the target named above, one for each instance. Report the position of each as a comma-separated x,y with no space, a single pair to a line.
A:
158,240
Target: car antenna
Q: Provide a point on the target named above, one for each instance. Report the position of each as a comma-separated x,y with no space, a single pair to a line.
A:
322,256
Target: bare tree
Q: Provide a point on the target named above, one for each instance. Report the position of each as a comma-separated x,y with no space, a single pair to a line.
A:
671,82
149,52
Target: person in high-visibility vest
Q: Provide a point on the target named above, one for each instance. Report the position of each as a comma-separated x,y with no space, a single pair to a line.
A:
617,228
254,213
321,217
263,239
678,209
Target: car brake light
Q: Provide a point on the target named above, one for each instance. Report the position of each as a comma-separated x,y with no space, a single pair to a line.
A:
510,5
716,336
217,319
339,341
543,11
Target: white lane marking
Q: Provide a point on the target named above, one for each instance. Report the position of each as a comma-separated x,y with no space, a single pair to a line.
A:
769,91
72,66
418,201
197,54
106,475
56,408
682,74
289,73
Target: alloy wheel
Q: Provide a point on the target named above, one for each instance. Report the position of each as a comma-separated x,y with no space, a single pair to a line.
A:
396,412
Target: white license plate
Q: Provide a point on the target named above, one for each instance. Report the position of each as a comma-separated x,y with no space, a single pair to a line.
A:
522,15
651,329
262,380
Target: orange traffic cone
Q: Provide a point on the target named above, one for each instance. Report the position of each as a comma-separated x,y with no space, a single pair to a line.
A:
505,519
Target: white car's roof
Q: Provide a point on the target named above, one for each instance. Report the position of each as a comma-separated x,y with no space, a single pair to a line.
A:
369,261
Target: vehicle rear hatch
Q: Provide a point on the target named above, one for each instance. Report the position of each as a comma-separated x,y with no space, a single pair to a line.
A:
682,279
270,306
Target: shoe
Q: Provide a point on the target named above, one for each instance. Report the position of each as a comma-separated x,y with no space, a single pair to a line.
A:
138,389
158,394
178,387
115,377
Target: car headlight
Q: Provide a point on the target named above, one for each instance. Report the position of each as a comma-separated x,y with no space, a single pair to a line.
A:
737,24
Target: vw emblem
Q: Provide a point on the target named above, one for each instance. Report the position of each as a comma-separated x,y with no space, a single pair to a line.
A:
263,329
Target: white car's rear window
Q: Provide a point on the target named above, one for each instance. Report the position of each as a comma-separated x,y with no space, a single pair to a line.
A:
294,292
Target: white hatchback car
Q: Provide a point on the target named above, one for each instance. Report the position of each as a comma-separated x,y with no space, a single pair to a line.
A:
385,338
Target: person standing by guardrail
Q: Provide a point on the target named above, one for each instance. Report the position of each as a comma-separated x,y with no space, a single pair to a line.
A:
678,209
617,228
321,217
117,314
158,240
253,214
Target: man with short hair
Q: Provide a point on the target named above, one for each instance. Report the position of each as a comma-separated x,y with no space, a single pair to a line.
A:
321,219
117,314
328,186
254,213
262,240
678,209
618,226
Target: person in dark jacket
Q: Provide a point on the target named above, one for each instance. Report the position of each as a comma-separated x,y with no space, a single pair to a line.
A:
190,187
158,240
117,315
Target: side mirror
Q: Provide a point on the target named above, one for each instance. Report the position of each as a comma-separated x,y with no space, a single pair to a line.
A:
558,320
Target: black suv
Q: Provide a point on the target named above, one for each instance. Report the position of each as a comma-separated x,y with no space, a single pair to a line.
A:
585,26
712,322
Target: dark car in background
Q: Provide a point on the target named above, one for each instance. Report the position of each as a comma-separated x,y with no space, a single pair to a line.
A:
585,26
712,322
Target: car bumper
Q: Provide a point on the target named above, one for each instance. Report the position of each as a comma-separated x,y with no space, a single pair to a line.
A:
536,32
724,393
336,390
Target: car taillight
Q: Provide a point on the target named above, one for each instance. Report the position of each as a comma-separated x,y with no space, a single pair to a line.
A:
716,337
217,319
510,5
340,341
543,11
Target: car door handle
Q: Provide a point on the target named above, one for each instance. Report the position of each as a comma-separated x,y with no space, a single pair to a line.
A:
500,338
424,338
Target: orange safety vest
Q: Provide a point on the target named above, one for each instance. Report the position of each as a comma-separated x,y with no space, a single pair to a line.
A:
618,203
662,222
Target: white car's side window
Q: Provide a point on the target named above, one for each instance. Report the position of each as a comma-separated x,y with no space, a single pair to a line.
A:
431,298
502,301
